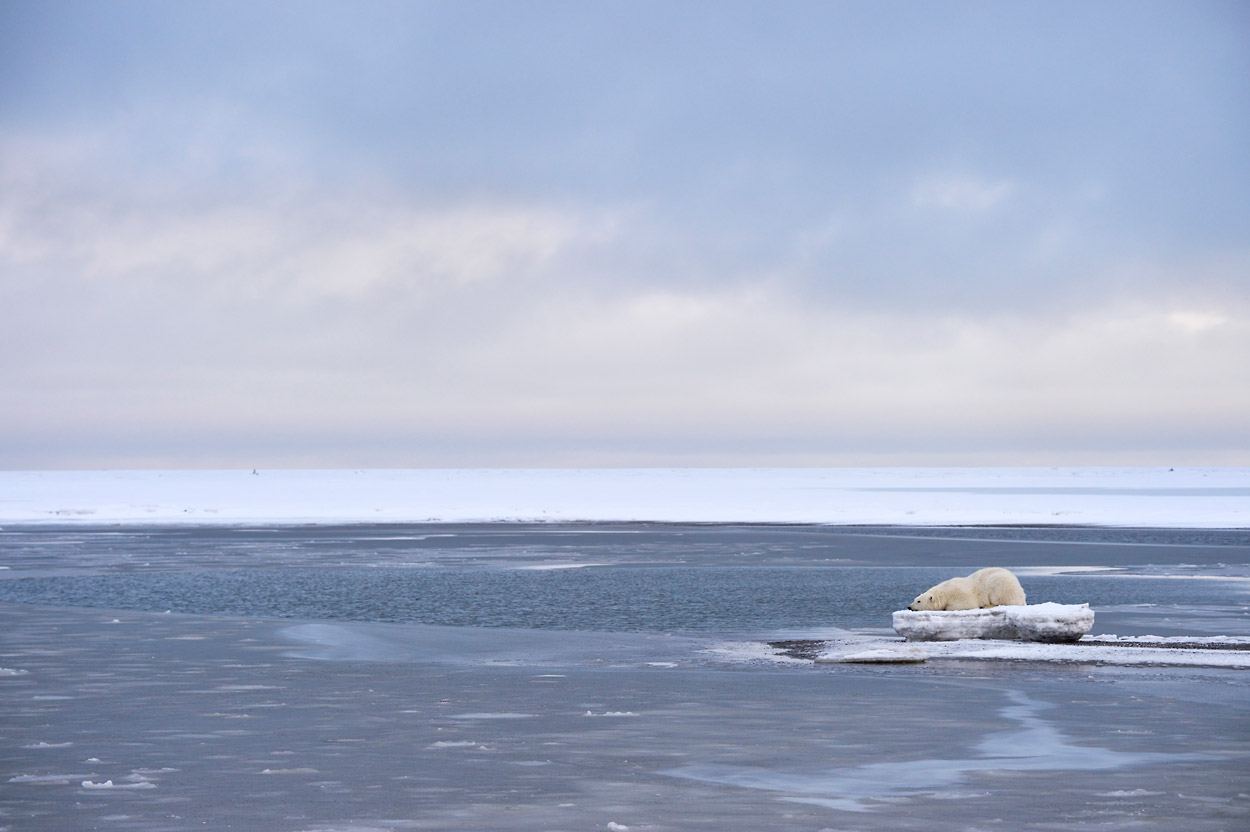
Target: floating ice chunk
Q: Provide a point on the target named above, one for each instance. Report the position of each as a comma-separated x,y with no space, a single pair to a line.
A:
1084,651
1035,622
1051,622
48,745
611,713
9,671
108,784
45,778
953,625
617,827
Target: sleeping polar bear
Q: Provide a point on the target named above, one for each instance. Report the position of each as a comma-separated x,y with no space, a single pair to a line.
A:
991,587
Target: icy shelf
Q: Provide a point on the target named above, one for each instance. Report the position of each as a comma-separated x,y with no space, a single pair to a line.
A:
1035,622
1137,497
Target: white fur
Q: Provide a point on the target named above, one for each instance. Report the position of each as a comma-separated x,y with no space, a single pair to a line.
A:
991,587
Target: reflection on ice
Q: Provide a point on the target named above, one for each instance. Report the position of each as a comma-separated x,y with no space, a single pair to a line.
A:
1036,745
478,646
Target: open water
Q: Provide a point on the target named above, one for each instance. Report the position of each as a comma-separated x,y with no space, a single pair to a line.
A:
364,678
667,579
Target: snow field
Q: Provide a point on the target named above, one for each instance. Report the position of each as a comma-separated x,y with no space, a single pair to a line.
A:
1142,497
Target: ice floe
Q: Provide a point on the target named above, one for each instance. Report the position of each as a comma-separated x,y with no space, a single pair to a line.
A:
109,784
1034,633
46,779
1197,652
1047,622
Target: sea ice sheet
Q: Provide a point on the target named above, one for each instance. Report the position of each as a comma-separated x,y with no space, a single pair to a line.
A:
1137,497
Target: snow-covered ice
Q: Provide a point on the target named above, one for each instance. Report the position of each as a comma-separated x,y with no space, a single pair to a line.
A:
888,655
1048,622
1051,622
1110,638
45,778
1145,497
1095,651
109,784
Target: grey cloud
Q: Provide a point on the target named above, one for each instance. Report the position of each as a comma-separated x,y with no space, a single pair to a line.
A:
614,232
618,97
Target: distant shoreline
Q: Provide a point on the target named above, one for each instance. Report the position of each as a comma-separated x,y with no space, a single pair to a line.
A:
59,524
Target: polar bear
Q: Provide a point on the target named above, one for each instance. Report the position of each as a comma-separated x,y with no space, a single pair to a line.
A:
984,588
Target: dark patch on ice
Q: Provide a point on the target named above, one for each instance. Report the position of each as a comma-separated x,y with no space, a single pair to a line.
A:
800,648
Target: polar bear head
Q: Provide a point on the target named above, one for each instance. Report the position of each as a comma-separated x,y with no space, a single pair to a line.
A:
925,601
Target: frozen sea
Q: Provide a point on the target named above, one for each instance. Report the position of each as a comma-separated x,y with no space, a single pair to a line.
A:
607,675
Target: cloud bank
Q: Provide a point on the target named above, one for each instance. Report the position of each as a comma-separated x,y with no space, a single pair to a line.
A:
624,234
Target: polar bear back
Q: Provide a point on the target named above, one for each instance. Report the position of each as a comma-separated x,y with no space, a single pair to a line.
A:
996,587
990,587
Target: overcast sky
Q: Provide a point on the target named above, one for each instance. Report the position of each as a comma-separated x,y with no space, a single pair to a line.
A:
359,234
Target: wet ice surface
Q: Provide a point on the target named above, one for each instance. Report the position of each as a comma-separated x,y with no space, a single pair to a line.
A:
1033,744
228,721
